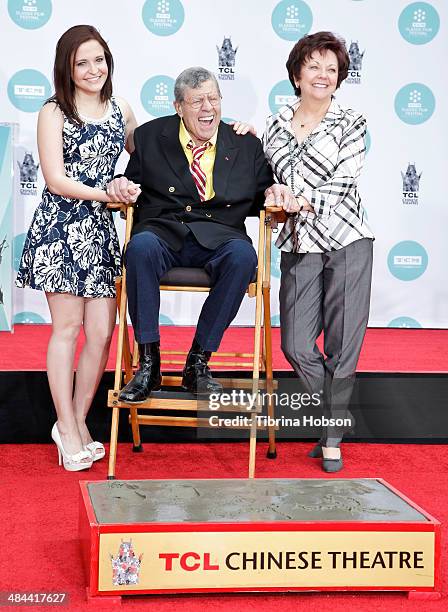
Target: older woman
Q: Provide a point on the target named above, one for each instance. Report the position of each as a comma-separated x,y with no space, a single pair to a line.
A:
317,148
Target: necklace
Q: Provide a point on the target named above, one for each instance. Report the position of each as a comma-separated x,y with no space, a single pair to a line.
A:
312,121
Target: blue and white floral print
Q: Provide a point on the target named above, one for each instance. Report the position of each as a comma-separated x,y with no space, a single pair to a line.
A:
72,245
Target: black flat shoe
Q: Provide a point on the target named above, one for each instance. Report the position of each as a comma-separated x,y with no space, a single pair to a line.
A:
147,378
316,451
332,465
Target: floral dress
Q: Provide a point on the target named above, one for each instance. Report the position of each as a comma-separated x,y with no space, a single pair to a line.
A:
72,245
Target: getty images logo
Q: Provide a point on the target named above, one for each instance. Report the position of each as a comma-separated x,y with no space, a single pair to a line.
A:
411,185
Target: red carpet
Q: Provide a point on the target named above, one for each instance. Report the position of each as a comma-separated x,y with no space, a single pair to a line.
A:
40,506
384,350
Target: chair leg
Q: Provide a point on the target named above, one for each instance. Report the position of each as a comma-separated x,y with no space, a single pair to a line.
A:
127,357
137,444
272,452
135,354
113,443
252,444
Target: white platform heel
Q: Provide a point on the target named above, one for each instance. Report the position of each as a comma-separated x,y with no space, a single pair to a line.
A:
72,463
96,450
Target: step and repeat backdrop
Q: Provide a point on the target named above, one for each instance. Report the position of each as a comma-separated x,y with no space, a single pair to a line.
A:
397,79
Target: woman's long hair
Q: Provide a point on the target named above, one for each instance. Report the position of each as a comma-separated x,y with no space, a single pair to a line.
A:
66,49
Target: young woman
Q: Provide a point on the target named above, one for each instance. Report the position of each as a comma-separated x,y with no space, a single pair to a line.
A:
71,251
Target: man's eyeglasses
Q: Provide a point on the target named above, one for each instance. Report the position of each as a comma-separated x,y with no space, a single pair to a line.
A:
196,103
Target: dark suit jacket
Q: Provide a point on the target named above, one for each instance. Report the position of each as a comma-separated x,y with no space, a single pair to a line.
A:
169,203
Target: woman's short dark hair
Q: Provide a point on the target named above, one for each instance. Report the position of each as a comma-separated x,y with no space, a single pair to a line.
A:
305,47
64,59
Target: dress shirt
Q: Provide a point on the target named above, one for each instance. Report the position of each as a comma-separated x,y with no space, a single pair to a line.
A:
207,160
324,169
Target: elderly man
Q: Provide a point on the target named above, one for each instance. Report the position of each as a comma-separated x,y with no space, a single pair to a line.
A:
199,181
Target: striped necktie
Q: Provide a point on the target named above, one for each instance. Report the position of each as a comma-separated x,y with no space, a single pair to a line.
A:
196,171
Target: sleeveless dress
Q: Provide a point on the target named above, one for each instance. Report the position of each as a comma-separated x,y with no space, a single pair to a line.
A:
72,245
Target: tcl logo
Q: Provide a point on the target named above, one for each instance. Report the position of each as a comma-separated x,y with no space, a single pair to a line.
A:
189,561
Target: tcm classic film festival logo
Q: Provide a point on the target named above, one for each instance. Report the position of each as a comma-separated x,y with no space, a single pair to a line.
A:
281,94
163,17
407,260
411,185
157,95
29,14
419,23
28,89
292,19
414,103
226,60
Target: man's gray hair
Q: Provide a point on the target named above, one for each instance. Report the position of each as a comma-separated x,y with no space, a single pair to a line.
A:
192,78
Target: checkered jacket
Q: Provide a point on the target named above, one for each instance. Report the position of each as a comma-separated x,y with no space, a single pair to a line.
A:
324,168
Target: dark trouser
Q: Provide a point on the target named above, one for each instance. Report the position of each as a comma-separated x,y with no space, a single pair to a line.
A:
327,292
231,267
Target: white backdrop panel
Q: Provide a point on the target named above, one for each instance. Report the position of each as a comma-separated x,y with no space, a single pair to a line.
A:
410,282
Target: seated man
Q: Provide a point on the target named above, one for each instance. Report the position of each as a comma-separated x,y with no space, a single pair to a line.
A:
199,181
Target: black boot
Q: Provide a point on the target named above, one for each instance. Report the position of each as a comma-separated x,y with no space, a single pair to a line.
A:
196,376
147,378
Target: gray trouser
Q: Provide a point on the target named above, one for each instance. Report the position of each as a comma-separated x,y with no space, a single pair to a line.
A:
327,292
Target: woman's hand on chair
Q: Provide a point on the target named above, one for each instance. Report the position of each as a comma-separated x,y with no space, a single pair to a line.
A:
281,196
123,190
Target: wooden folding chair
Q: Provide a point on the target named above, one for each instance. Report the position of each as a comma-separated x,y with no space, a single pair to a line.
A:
260,360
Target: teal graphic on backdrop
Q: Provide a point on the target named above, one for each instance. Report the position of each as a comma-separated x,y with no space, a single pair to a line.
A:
292,19
275,261
30,14
163,17
275,320
418,23
407,260
228,120
28,89
368,141
157,96
164,320
414,103
282,93
405,322
17,250
28,317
